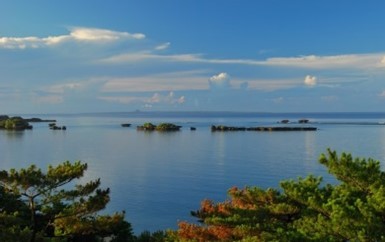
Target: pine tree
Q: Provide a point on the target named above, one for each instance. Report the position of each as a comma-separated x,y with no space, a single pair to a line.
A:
56,210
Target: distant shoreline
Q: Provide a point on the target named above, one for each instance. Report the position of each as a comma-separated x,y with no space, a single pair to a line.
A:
224,114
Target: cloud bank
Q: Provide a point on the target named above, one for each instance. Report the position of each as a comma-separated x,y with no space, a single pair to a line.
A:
125,70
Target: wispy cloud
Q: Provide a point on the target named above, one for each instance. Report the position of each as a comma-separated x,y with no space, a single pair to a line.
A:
149,56
174,81
147,101
61,88
163,46
170,98
272,84
94,34
356,61
351,61
77,34
97,35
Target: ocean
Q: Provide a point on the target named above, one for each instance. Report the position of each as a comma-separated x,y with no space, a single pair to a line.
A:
157,178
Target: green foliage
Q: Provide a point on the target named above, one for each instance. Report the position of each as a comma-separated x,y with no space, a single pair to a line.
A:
13,227
14,123
45,208
167,127
149,126
160,127
304,210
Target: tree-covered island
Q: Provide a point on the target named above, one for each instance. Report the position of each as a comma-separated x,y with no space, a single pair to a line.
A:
159,127
19,123
14,123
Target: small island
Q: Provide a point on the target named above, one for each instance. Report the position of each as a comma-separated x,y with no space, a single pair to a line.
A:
160,127
273,128
39,120
14,123
19,123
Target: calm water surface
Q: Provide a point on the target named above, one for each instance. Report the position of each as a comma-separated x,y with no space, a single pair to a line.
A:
158,178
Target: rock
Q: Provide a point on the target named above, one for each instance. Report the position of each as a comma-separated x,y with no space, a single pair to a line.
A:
303,121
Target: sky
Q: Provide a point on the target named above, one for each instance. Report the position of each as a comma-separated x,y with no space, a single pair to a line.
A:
192,55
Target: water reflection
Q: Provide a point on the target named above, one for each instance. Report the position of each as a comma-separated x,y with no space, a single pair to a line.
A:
15,134
382,150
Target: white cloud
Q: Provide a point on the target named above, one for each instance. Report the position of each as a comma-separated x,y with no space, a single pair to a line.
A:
355,61
21,43
170,99
310,81
382,62
163,46
61,88
146,55
76,34
154,83
220,81
94,34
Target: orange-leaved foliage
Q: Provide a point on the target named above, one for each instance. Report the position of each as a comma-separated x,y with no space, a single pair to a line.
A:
249,212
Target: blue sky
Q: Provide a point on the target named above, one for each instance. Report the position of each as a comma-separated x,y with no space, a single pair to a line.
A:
266,55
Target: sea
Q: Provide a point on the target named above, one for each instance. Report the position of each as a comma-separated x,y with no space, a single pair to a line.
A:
158,178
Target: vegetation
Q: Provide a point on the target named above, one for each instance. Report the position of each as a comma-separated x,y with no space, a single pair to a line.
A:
37,205
167,127
302,210
160,127
149,126
14,123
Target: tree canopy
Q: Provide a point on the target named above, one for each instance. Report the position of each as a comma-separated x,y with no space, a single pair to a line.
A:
14,123
306,209
37,204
